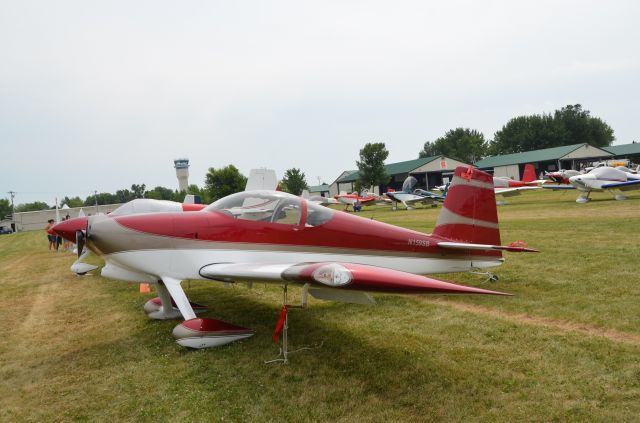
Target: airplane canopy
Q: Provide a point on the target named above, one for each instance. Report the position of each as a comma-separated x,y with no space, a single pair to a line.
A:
270,206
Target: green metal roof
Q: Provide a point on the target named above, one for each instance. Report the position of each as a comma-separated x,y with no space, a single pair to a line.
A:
624,149
543,155
393,168
319,188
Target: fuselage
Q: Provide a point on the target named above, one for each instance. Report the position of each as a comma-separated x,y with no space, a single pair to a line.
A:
596,178
179,244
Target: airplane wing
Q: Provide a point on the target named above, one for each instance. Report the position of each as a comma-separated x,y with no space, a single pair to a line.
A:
419,199
410,198
337,276
510,192
623,186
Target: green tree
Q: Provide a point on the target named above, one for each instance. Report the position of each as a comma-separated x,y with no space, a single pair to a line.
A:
222,182
567,126
464,144
124,195
72,202
35,206
161,193
5,208
579,126
138,190
293,181
371,164
103,198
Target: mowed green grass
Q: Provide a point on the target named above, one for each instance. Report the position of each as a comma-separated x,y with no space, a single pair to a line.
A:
566,347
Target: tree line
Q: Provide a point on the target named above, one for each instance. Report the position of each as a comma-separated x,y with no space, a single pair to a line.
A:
569,125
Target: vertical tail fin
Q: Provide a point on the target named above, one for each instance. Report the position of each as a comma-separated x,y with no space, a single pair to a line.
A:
469,211
529,174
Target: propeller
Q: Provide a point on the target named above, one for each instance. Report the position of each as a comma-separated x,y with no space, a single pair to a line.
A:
80,237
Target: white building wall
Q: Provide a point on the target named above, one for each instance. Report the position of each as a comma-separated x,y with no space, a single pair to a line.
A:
37,220
510,171
443,163
586,151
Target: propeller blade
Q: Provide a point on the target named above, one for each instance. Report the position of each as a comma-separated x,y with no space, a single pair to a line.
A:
80,242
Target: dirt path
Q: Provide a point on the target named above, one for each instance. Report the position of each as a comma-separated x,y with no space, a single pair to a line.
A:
561,325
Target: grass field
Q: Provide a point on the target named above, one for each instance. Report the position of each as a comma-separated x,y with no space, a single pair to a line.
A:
566,347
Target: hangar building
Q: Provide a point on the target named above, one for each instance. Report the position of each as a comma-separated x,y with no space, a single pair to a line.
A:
573,156
625,151
428,171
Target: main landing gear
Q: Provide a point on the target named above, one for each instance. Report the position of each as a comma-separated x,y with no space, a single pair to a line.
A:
164,308
194,332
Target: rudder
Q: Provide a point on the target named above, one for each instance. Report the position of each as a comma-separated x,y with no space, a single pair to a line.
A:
469,212
529,174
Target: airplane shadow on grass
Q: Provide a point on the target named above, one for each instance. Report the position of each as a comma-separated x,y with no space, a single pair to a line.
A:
389,371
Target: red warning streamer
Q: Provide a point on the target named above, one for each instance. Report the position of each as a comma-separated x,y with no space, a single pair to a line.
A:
280,324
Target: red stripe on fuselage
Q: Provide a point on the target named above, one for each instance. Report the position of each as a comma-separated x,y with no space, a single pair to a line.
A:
343,231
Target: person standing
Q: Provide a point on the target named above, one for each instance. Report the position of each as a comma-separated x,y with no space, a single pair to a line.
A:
51,235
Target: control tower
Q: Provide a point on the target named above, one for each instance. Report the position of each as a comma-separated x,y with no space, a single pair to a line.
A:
182,172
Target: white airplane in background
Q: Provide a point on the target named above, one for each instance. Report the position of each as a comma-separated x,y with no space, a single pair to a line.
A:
318,199
262,179
600,179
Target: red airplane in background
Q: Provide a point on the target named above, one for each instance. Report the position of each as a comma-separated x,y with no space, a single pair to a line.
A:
528,179
275,237
352,199
507,187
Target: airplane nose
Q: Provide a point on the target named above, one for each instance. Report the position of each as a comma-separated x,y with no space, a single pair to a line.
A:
68,228
578,181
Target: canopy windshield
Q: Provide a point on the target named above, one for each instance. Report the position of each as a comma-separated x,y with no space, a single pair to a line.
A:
270,206
266,206
409,183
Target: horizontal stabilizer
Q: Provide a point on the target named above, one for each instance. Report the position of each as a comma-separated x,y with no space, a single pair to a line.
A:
466,246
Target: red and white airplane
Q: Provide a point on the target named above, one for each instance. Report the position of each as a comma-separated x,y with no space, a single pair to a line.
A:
276,237
506,187
351,199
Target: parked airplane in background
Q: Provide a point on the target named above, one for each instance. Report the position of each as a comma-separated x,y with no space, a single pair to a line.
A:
506,187
600,179
408,196
351,199
262,179
318,199
562,176
279,238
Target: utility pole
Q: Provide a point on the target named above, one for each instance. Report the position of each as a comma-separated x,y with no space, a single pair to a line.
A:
13,211
95,197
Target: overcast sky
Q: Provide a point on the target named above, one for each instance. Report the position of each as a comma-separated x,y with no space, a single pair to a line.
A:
101,95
